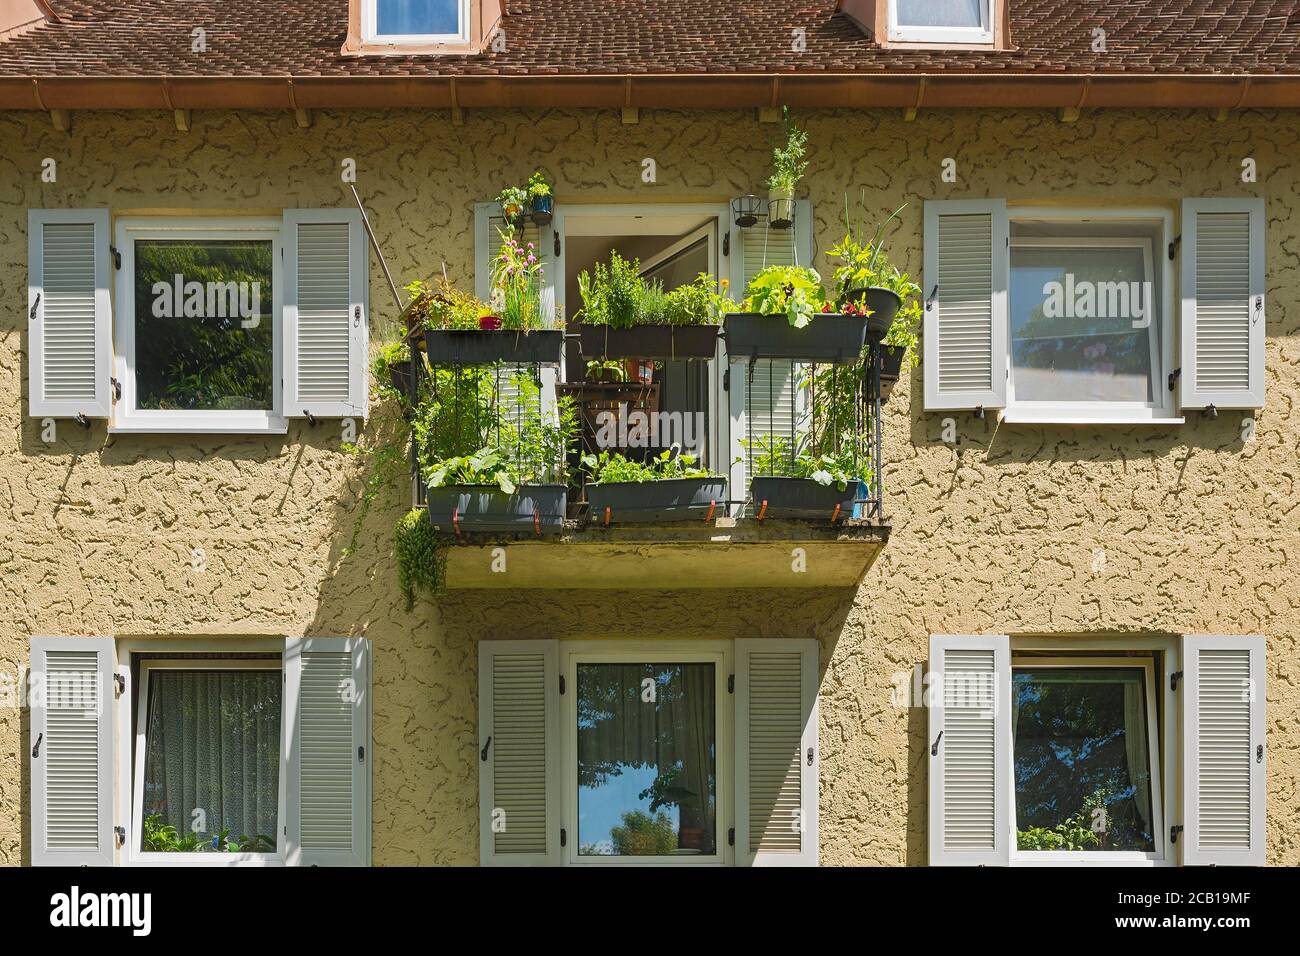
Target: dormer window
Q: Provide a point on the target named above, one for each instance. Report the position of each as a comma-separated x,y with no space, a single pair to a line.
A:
423,22
942,21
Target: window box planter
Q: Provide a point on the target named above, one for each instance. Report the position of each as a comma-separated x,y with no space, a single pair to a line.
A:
802,498
649,341
532,508
672,499
891,367
480,347
829,337
884,305
540,209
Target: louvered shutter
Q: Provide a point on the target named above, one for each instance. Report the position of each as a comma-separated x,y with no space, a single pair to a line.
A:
518,744
1223,303
967,272
777,756
1225,767
970,764
71,750
326,325
69,313
770,404
327,740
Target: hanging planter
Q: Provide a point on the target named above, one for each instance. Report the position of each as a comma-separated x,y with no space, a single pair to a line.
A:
540,209
399,375
649,341
490,346
891,367
780,208
537,509
829,337
883,304
747,210
670,499
801,498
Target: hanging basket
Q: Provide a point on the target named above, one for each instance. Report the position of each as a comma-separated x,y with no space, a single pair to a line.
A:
540,209
780,212
891,367
672,499
801,498
488,347
536,509
883,304
747,210
829,337
649,341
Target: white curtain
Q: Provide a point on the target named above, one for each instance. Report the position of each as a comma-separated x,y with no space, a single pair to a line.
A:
1135,744
213,745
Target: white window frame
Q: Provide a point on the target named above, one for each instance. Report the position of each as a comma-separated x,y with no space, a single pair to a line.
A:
1161,747
718,653
1160,411
128,418
906,33
370,29
131,746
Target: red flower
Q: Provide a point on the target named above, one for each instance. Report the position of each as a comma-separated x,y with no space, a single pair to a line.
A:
489,323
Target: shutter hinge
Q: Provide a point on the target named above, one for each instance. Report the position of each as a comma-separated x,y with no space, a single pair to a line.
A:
557,241
361,754
1173,833
561,684
36,747
482,754
1173,249
1211,412
731,683
82,420
934,747
726,244
731,837
117,389
934,293
1174,376
564,836
311,419
1174,678
32,315
120,681
120,833
117,257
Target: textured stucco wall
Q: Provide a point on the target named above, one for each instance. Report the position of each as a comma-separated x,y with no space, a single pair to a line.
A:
998,535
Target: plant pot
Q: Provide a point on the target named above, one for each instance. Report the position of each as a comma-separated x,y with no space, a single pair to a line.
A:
801,498
829,337
883,305
479,347
531,509
891,367
780,209
399,375
540,209
639,371
747,210
672,499
649,341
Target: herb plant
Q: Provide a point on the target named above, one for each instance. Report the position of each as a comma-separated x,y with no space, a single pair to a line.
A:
792,291
516,284
537,186
607,468
789,163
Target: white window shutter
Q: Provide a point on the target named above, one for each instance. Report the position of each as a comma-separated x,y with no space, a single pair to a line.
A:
777,756
326,730
71,750
970,750
326,320
69,313
519,753
967,273
1223,304
1225,763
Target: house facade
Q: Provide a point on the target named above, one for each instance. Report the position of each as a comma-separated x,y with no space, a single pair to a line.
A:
1088,526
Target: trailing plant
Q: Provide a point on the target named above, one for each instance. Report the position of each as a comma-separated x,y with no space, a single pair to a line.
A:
516,284
421,555
788,162
607,467
793,291
537,186
701,302
390,355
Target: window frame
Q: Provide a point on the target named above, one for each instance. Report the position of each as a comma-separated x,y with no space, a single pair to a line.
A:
137,743
1162,409
975,36
126,416
719,653
1158,739
370,28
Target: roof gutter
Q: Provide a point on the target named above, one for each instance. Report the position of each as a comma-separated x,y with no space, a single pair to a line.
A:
695,91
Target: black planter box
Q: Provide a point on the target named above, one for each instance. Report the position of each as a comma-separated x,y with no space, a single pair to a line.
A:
476,347
883,305
532,508
649,341
891,367
801,498
674,499
829,337
399,376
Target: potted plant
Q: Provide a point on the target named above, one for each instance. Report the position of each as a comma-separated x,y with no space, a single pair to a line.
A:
800,483
393,372
668,487
514,476
785,315
624,315
509,329
540,199
606,371
512,200
788,167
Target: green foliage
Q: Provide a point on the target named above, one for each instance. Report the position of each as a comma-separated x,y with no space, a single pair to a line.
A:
644,835
699,302
160,837
612,295
421,555
792,291
1069,834
788,161
606,468
517,284
606,370
537,186
394,353
512,200
774,456
444,306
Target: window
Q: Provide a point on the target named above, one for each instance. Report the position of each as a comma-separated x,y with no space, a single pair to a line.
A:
942,21
416,21
198,334
207,763
1086,761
